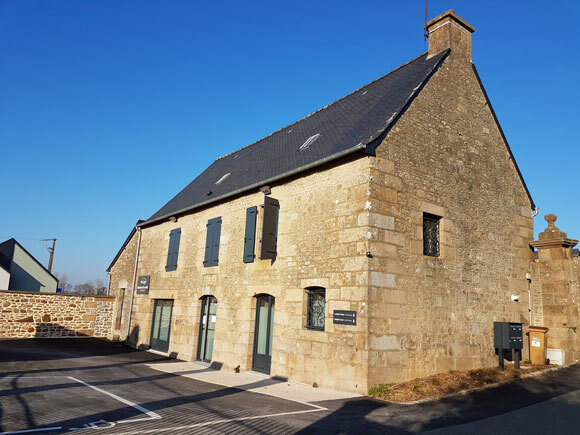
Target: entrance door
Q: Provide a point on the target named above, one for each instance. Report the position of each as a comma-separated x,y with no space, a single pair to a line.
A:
263,334
161,325
206,328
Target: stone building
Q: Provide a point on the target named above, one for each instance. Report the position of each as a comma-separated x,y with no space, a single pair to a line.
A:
375,240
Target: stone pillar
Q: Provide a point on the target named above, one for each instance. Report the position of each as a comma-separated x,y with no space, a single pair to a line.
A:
557,277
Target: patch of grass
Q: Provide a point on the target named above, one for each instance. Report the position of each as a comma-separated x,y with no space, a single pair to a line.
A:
381,390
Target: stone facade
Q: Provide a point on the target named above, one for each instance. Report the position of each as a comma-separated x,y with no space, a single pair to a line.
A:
49,315
446,157
355,228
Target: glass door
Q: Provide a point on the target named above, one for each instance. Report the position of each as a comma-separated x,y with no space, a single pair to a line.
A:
161,324
206,328
263,333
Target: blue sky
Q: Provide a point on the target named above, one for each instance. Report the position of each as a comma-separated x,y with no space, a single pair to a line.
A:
109,108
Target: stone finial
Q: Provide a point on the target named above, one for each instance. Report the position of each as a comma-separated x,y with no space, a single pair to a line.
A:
552,236
552,232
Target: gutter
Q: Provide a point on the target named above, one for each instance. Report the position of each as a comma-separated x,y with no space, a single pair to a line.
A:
133,286
327,159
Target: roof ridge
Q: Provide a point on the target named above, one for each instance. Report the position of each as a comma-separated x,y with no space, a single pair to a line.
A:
323,108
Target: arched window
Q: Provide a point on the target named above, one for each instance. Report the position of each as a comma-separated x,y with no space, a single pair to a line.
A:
316,303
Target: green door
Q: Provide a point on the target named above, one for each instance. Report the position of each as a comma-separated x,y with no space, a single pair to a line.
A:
161,324
263,333
206,328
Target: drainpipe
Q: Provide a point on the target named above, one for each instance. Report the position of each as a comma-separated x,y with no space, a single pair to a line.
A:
536,210
529,279
133,287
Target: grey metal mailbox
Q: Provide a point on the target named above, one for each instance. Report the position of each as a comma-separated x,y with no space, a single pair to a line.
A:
508,336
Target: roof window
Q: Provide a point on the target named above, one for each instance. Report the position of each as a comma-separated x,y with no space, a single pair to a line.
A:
309,142
223,178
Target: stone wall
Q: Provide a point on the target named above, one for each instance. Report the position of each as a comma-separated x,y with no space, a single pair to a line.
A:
49,315
445,157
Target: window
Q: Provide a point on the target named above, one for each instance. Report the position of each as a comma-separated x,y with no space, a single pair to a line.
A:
270,229
309,142
315,309
223,178
212,242
431,235
173,251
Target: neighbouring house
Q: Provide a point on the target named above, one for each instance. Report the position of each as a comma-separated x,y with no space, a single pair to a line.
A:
19,270
375,240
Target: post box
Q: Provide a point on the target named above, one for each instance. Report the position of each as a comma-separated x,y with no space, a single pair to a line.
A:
508,336
537,342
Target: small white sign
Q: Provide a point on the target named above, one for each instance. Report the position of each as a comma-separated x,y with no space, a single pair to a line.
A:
212,319
535,342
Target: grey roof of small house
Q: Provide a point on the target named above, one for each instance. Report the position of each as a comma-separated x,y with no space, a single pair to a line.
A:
353,123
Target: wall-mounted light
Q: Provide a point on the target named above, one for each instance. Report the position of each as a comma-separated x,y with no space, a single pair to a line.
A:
173,219
265,190
515,298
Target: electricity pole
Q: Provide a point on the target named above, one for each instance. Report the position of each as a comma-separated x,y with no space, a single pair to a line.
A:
51,250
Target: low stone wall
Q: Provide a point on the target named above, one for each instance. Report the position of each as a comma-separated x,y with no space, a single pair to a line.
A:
48,315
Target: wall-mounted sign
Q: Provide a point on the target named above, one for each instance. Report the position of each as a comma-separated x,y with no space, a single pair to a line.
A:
143,285
341,317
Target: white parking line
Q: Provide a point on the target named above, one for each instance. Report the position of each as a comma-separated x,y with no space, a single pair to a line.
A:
226,420
152,415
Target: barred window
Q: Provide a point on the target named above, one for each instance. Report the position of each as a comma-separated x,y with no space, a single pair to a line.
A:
316,303
431,235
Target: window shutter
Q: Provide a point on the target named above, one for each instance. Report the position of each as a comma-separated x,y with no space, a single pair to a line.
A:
212,242
250,238
216,241
270,228
177,239
208,243
173,251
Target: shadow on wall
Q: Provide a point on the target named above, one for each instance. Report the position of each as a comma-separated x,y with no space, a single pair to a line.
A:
54,330
20,279
133,337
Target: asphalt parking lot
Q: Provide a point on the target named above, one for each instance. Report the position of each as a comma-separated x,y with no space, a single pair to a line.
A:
88,385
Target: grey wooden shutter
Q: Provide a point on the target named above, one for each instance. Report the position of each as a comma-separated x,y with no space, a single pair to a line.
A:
216,241
212,242
250,237
173,251
208,243
270,228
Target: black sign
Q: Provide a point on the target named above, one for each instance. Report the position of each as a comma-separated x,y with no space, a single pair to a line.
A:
341,317
143,285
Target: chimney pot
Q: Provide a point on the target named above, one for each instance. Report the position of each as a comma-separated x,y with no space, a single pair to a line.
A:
449,30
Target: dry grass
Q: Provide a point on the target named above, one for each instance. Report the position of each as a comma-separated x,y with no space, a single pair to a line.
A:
444,384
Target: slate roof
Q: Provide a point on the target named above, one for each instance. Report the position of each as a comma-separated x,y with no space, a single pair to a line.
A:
353,123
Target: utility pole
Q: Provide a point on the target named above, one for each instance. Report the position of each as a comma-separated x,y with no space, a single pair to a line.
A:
51,250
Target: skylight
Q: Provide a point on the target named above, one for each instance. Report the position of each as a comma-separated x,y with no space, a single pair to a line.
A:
309,142
223,178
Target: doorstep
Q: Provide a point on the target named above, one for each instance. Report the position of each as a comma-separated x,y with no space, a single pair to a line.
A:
252,381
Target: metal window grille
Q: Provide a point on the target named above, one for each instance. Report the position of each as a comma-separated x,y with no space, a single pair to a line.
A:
315,313
431,235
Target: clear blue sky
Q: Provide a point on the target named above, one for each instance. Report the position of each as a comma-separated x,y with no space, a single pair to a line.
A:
109,108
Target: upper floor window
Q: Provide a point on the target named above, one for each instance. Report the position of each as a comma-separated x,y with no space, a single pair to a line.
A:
315,310
431,234
173,251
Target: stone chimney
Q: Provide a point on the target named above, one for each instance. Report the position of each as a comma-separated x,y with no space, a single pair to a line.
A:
448,30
